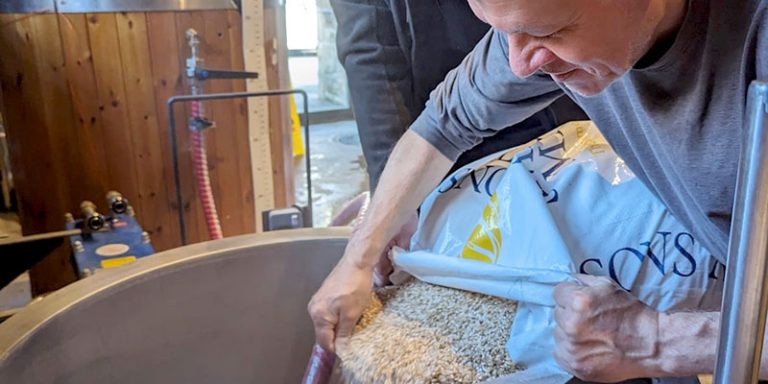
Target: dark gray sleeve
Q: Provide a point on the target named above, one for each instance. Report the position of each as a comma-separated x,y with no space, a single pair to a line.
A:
379,76
480,97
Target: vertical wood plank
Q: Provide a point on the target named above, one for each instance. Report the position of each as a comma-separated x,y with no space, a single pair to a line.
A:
155,213
241,134
87,126
258,109
167,68
227,165
56,270
35,97
118,141
276,50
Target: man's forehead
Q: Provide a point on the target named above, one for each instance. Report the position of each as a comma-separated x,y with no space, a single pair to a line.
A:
528,16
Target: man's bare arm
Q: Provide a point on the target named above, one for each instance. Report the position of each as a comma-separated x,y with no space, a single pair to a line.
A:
605,334
414,169
687,343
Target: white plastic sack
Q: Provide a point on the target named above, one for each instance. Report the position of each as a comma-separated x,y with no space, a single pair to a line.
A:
517,223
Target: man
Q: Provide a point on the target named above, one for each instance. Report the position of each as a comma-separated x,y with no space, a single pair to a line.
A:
666,82
395,52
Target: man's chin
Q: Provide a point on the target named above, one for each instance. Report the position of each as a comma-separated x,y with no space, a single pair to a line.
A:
586,89
589,86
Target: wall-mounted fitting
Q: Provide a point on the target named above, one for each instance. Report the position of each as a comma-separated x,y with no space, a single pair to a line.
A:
92,219
116,202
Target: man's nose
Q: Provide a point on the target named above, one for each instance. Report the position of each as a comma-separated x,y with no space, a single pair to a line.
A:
525,58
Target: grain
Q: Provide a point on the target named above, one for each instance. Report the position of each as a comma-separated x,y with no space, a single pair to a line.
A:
423,333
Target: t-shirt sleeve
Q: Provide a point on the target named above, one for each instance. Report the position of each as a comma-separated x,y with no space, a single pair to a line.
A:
480,97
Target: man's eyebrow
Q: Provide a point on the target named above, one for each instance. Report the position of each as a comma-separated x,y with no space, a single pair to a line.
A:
544,28
536,29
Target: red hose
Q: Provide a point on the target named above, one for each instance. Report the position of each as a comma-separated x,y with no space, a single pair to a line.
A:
200,160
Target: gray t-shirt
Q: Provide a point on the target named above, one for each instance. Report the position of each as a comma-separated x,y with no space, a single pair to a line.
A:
677,122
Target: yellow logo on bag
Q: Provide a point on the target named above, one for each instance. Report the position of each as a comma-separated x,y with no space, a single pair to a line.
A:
484,244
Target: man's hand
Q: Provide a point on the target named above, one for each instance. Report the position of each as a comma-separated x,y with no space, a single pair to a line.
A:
338,304
402,240
415,167
603,333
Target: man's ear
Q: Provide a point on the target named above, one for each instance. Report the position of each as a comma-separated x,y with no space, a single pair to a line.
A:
477,10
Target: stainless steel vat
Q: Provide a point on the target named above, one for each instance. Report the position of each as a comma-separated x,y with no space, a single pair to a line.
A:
229,311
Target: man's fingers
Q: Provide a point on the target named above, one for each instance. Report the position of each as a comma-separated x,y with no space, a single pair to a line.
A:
344,330
345,326
580,296
593,281
325,324
568,322
565,293
381,271
324,337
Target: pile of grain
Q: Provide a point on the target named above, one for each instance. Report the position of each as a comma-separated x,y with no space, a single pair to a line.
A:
422,333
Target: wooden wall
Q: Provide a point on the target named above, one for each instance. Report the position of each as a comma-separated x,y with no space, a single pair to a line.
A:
84,100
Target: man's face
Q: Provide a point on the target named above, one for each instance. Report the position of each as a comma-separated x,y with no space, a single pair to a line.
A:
584,44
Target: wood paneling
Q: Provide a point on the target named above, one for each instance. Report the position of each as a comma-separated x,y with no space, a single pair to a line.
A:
276,47
32,80
85,107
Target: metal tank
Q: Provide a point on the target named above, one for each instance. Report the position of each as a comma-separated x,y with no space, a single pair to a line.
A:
227,311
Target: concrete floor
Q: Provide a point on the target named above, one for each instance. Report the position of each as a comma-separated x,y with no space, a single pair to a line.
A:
338,170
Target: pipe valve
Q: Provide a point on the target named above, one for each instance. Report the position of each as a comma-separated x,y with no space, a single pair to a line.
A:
116,202
92,219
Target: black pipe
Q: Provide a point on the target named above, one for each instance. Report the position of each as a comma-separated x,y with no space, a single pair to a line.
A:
233,95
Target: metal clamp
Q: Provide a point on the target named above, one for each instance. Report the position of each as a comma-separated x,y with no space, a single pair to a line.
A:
209,74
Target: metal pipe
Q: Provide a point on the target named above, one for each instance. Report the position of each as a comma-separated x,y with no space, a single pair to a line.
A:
745,299
233,95
27,6
112,6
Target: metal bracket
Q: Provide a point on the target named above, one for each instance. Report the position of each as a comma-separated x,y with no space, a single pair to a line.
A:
209,74
27,6
32,249
201,124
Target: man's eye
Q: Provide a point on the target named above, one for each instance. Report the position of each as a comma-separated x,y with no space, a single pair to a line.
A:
553,35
